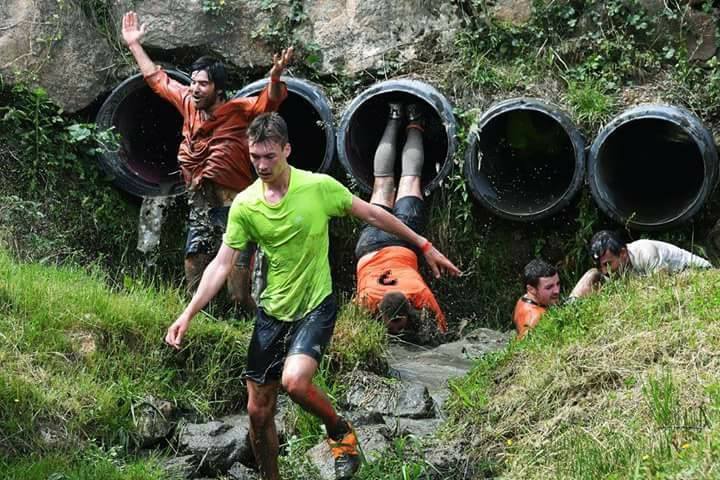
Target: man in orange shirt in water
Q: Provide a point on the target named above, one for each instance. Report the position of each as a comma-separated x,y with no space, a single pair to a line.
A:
388,280
542,290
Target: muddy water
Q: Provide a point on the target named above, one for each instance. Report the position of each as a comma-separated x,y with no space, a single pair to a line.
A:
434,366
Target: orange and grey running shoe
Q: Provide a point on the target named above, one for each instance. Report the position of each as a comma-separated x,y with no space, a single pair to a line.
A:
346,455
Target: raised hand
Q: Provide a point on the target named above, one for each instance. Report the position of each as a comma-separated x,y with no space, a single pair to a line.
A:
280,62
132,30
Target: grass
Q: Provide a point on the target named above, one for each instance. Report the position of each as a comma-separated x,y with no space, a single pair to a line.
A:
78,355
621,385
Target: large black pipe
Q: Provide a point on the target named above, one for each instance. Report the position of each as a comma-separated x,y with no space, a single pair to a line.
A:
364,120
525,159
310,123
145,164
653,167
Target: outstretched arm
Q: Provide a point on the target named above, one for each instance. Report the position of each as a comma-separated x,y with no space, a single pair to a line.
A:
132,32
212,281
280,62
383,220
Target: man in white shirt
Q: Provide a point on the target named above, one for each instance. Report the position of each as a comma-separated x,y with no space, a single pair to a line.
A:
613,256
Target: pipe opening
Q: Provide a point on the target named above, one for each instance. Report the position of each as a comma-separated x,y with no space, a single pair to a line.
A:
364,121
366,128
309,118
151,130
653,171
525,164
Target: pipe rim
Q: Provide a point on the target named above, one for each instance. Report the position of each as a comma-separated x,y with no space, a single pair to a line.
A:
564,120
105,118
315,96
679,117
413,87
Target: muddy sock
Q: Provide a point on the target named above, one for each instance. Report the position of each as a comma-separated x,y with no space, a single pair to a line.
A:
340,429
384,163
413,154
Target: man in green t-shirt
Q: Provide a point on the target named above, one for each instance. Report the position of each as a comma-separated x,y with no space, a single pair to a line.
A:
286,212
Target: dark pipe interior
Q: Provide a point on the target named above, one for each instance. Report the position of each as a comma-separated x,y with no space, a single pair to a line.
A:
151,130
652,170
306,131
527,158
368,123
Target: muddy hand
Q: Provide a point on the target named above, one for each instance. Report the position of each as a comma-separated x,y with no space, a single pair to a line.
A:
280,62
440,264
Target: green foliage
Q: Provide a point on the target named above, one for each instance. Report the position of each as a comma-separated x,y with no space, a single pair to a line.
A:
49,166
49,378
91,464
590,103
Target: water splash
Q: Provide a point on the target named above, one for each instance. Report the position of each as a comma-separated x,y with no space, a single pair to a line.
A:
153,213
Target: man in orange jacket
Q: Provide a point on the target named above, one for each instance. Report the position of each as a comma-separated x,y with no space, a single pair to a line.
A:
388,279
542,290
213,155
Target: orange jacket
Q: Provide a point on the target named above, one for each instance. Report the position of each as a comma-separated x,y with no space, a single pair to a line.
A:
526,315
399,268
215,148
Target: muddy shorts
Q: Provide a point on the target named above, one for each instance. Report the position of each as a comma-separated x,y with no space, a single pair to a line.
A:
274,340
205,231
410,211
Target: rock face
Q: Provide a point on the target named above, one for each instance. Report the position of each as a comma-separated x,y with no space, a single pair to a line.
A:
67,54
516,12
355,35
228,33
57,46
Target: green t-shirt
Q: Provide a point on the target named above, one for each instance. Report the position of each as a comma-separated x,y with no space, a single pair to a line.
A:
293,234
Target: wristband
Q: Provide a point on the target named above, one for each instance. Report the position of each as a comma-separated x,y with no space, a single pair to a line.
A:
426,246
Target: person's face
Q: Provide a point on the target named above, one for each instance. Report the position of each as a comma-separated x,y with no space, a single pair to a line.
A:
611,263
203,90
269,159
548,290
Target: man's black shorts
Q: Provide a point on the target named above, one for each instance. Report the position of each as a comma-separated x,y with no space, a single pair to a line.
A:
409,210
274,340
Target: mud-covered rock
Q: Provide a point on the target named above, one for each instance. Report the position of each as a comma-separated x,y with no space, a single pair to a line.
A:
218,444
154,420
401,427
240,472
372,393
180,468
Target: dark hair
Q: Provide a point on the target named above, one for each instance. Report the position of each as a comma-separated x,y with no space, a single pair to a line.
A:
268,126
395,304
215,71
605,240
537,269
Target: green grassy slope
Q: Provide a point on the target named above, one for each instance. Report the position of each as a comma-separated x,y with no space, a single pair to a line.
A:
77,356
622,385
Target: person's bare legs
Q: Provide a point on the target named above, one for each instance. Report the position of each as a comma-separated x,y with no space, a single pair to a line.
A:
413,157
384,162
238,285
262,400
297,378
